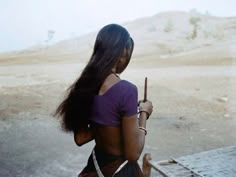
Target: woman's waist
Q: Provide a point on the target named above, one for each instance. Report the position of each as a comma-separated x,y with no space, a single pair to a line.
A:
108,139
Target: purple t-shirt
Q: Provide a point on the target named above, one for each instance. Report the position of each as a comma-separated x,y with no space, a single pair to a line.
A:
117,102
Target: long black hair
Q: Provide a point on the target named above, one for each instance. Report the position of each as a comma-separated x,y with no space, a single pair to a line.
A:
111,42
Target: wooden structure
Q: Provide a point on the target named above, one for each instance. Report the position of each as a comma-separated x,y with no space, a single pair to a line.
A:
214,163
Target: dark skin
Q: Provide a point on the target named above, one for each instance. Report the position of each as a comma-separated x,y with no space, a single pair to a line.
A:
127,140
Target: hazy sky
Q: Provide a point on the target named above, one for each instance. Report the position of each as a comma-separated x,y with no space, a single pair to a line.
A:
26,22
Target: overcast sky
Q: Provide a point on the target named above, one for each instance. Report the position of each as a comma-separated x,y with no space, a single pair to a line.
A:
24,23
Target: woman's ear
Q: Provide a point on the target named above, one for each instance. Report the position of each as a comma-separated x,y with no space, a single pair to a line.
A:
113,69
121,65
122,60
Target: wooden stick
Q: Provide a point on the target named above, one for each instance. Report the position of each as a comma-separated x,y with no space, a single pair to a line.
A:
145,90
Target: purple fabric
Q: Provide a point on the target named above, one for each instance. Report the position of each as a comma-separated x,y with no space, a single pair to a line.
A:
117,102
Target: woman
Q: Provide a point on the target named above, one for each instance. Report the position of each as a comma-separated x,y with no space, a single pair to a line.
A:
102,107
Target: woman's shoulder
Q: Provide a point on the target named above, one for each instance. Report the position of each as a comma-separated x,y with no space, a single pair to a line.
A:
127,84
125,87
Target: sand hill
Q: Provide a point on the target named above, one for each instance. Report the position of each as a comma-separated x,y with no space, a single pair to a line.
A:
161,36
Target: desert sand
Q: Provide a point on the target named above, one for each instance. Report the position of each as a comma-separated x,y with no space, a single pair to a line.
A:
191,83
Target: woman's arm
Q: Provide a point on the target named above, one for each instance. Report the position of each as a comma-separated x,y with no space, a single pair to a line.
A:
83,136
134,131
134,137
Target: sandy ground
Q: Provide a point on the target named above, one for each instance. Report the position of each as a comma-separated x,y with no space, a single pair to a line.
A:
194,110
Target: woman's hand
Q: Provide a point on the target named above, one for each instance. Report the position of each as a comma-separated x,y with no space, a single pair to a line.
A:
145,107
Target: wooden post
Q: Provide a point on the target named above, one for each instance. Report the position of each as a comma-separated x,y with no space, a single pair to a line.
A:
146,165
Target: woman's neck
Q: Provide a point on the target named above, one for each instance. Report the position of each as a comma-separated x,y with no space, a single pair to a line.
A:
116,74
112,79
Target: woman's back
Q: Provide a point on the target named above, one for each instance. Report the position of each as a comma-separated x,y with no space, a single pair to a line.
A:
108,139
105,120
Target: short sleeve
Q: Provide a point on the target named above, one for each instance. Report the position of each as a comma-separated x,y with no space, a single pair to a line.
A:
129,100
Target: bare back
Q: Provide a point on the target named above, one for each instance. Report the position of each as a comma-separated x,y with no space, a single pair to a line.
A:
108,138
